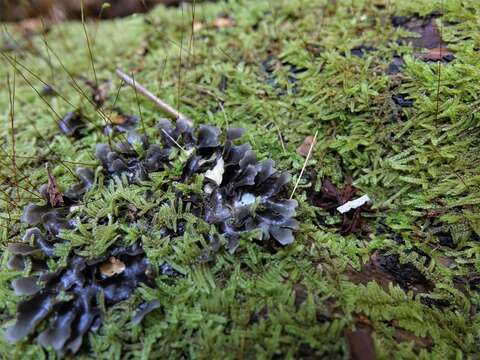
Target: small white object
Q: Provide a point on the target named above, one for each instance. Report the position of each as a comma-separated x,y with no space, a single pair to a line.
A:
216,174
353,204
74,208
246,200
208,189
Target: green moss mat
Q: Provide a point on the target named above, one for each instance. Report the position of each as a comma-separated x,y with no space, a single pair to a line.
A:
289,69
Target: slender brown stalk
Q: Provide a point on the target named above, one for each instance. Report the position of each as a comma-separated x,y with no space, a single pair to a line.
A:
90,52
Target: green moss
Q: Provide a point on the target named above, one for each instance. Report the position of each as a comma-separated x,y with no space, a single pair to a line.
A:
422,172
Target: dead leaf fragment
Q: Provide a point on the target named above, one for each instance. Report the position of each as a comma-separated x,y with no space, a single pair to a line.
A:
100,92
118,119
361,344
112,266
54,196
306,145
420,342
437,54
223,22
445,261
103,92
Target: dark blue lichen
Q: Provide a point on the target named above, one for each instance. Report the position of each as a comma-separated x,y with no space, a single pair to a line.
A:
240,194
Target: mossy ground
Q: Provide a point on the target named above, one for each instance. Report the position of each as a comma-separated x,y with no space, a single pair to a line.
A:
421,170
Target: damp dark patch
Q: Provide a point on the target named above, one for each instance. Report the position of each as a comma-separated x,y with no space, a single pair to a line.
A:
425,27
384,268
402,101
396,65
315,49
402,335
268,67
435,303
474,283
271,64
446,239
405,274
301,293
475,237
362,50
306,352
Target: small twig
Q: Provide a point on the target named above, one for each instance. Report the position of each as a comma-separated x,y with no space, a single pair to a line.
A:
160,103
304,164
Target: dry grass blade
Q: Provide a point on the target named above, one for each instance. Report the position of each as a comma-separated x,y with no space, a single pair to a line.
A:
174,141
90,52
304,164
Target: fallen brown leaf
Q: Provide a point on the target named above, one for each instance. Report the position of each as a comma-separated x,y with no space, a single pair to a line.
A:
437,54
330,198
100,92
112,266
305,147
445,261
301,293
103,91
54,196
118,119
223,22
361,344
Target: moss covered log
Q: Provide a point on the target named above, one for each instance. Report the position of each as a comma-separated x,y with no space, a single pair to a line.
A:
392,89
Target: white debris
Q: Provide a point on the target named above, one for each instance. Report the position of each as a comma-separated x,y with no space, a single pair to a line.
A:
208,189
353,204
246,200
74,208
216,174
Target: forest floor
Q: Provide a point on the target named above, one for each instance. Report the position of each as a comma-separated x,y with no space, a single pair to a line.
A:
391,88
